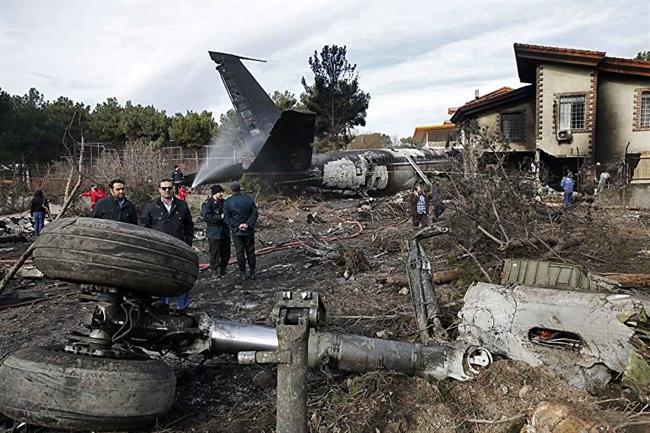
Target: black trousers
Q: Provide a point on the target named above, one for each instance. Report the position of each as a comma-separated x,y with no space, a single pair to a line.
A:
219,253
420,221
245,250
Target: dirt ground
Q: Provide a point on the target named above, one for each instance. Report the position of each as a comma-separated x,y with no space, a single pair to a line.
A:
220,396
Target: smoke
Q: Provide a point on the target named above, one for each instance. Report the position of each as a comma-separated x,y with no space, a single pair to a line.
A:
227,155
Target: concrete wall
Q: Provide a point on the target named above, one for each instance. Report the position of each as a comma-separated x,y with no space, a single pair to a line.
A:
491,120
636,196
555,80
615,119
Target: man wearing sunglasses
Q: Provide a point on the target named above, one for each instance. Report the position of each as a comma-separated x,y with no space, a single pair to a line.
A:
116,207
170,215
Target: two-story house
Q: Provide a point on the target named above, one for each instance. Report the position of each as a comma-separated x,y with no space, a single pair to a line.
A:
580,108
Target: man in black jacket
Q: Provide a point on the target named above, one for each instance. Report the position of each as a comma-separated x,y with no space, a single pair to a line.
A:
116,207
170,215
216,231
240,213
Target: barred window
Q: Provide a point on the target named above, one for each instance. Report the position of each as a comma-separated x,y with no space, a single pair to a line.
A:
572,112
645,110
512,128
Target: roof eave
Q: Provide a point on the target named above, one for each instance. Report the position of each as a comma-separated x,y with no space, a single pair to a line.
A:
529,56
614,65
507,98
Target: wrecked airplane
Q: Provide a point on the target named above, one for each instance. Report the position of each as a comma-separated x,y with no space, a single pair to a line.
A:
278,147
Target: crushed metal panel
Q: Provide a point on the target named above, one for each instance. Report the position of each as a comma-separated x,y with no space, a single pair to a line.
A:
514,321
550,275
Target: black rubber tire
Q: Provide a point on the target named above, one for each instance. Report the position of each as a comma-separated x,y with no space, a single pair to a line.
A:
111,253
62,390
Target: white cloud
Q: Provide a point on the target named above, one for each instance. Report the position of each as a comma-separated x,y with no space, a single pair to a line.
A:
415,58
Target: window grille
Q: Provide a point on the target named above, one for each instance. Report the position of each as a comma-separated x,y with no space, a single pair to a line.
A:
645,110
512,128
572,112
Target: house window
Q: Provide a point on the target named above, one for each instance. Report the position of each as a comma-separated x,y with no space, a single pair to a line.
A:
572,112
512,126
645,110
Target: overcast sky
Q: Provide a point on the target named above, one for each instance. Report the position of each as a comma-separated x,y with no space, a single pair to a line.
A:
415,58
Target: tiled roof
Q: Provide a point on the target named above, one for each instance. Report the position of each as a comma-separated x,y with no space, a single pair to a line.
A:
486,97
559,50
530,55
435,127
625,66
503,95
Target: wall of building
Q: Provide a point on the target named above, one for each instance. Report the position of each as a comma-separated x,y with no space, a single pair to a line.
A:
553,81
491,119
615,125
634,196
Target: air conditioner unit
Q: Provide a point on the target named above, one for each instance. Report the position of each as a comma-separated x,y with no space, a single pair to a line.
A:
564,135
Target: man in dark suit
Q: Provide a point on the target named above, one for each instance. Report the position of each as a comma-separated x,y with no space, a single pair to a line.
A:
170,215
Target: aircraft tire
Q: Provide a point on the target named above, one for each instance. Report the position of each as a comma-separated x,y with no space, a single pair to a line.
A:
116,254
60,390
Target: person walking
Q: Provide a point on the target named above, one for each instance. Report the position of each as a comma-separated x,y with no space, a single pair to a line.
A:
170,215
419,208
217,231
602,181
96,193
38,209
177,177
116,207
240,213
568,184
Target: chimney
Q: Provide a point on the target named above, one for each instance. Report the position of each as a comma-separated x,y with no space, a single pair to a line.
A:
476,94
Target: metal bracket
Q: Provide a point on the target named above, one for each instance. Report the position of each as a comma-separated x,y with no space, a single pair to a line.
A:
294,313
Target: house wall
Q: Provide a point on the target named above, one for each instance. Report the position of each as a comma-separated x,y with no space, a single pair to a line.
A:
491,119
553,81
615,125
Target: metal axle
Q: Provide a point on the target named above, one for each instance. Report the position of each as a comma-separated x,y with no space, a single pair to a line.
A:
355,353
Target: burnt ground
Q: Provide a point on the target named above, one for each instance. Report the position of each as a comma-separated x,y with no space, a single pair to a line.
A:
220,396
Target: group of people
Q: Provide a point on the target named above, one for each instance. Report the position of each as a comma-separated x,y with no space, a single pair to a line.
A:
232,219
225,219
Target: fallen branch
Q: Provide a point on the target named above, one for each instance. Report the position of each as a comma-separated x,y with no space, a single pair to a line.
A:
440,277
502,245
497,421
14,269
550,249
630,280
469,253
73,193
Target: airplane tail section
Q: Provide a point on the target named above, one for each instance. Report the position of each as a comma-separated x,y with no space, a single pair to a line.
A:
288,148
279,142
256,110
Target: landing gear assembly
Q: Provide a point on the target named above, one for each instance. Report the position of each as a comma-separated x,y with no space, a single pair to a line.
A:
104,379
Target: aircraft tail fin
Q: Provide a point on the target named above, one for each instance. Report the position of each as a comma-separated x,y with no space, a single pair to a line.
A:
256,110
288,149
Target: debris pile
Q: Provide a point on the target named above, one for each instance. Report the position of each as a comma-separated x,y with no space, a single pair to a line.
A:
311,245
15,228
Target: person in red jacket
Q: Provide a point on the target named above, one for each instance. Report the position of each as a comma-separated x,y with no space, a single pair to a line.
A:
96,193
182,193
